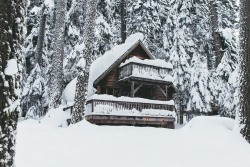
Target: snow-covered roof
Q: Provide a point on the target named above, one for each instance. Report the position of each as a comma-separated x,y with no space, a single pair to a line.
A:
107,62
155,62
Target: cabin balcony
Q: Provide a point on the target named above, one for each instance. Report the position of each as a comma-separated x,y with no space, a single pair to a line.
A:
147,73
107,109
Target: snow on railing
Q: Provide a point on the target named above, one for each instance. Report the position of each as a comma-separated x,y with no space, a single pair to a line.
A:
145,71
110,105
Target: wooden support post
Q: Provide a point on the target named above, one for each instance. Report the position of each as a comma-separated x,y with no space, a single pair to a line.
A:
166,92
132,89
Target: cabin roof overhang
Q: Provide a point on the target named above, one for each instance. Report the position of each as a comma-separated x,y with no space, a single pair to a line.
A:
121,58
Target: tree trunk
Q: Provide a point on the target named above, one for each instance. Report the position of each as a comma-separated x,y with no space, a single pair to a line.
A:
11,29
40,41
215,33
83,76
245,68
56,78
123,22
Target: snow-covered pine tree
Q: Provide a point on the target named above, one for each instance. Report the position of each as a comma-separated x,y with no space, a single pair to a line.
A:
73,37
227,28
11,34
231,100
183,46
200,96
203,55
103,39
103,32
56,75
34,95
245,68
116,30
85,61
144,16
188,43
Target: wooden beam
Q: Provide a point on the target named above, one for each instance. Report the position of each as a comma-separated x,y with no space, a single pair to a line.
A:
132,89
166,92
138,88
162,90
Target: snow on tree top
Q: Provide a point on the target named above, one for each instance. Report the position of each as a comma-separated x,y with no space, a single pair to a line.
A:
11,67
155,62
135,37
49,3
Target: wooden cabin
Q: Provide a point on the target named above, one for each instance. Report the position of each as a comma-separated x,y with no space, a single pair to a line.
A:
135,89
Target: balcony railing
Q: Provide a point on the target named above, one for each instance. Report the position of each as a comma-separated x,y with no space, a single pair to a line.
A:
110,106
144,71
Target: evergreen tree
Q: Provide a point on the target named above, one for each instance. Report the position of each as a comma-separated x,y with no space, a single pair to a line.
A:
183,46
103,32
11,33
245,68
227,28
73,37
144,16
200,96
37,58
231,100
82,79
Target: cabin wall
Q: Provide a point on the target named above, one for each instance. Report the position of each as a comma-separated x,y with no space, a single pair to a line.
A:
159,95
138,52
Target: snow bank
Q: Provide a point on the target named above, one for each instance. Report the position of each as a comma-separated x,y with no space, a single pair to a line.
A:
155,62
68,95
85,144
56,117
11,67
211,123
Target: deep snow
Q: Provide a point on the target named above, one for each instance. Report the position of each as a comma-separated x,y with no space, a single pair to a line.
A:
203,142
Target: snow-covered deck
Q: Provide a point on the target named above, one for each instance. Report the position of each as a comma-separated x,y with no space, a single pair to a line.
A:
110,110
127,106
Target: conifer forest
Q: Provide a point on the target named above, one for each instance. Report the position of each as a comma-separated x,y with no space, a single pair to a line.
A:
171,75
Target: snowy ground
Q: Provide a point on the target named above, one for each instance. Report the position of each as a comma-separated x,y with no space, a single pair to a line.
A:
204,142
